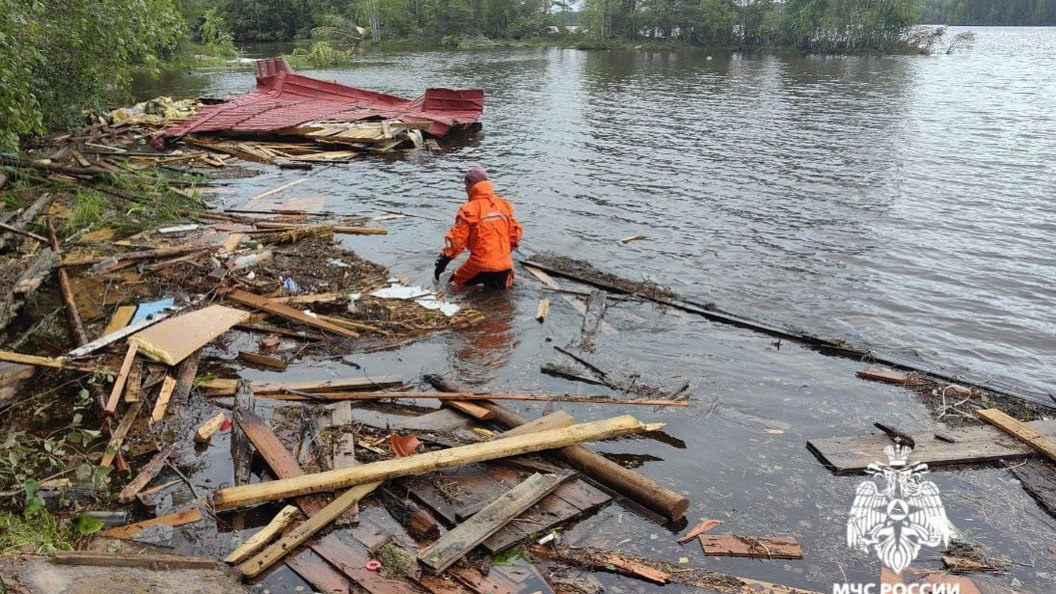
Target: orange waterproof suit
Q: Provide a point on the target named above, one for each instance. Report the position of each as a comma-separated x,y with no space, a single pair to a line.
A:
486,226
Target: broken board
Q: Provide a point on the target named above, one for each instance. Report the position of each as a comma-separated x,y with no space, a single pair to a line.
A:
763,547
177,338
1039,481
851,455
457,494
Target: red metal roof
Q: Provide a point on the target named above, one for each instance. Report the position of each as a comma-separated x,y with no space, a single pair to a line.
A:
284,99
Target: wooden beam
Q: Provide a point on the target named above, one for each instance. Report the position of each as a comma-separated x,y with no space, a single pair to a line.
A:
118,436
296,537
263,536
337,228
152,561
234,497
285,311
122,377
226,387
466,536
50,362
146,255
472,396
1021,431
121,318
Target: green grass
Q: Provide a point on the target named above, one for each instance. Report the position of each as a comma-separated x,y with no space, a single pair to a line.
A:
42,531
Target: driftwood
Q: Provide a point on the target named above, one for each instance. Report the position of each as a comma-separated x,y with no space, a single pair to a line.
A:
592,319
469,396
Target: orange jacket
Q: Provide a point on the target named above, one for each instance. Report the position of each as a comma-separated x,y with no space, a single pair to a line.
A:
486,226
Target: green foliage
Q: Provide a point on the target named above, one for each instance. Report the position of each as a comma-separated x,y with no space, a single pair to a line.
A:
214,35
989,12
66,56
88,211
321,54
42,532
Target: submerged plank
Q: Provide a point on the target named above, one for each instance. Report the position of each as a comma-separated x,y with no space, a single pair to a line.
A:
763,547
851,455
466,536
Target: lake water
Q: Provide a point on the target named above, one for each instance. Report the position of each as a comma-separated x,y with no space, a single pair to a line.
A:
903,203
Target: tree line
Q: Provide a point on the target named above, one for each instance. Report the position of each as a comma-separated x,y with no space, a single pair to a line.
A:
989,12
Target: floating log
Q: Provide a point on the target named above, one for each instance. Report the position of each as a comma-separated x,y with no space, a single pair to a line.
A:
554,420
627,482
233,497
419,523
462,539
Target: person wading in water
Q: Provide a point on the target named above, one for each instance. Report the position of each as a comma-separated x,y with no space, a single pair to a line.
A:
485,225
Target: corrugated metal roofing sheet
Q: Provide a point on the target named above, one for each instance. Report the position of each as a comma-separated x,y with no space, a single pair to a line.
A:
284,99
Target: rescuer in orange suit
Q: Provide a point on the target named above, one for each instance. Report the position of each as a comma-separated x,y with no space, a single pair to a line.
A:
486,227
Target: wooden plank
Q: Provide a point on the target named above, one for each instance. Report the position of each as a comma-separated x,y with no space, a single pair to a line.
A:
148,472
121,318
549,512
122,377
233,497
888,376
763,547
477,412
285,311
167,252
1038,479
852,455
145,560
231,243
226,387
162,403
256,199
134,381
592,318
205,431
187,516
343,229
1021,431
177,338
344,446
454,545
351,559
118,435
299,535
263,536
322,577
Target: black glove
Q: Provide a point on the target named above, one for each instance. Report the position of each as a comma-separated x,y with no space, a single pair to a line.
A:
441,265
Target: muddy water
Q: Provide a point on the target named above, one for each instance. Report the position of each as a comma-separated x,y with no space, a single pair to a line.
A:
899,202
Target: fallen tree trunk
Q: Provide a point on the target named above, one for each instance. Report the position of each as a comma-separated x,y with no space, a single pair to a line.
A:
627,482
234,497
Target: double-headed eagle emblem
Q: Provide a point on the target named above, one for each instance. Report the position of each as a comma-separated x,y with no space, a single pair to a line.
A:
902,516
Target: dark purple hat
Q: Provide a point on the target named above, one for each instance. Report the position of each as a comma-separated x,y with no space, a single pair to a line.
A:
475,174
